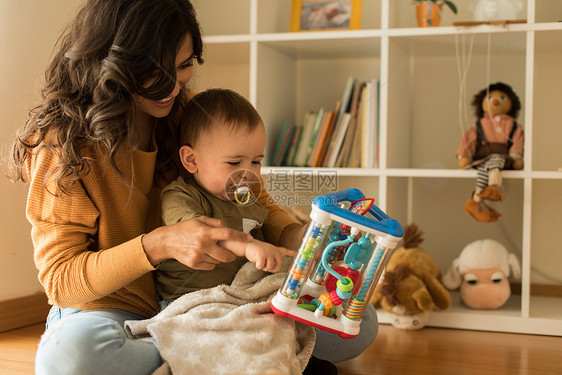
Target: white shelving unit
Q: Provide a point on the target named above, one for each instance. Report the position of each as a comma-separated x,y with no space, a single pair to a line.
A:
249,49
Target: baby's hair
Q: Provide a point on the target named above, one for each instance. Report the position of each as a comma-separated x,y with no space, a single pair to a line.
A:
222,108
498,86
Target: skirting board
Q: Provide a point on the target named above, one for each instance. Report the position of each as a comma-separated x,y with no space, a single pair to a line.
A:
23,311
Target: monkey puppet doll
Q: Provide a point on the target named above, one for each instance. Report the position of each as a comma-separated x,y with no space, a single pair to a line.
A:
494,143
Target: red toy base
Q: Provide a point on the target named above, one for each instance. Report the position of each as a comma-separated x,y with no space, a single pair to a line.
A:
308,322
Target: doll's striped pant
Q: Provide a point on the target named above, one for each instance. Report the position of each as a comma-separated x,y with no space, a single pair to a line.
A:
493,161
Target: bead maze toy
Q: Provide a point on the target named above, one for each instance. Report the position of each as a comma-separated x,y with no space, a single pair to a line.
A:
339,262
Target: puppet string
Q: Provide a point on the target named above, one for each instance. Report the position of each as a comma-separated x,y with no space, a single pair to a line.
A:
463,59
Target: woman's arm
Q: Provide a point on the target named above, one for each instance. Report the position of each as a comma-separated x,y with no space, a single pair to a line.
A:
188,234
72,268
192,242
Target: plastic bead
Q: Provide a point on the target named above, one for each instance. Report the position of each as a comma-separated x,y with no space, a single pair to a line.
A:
343,295
307,253
298,274
315,232
345,287
326,300
293,284
335,298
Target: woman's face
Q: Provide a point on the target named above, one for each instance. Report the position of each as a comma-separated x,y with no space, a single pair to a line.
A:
184,70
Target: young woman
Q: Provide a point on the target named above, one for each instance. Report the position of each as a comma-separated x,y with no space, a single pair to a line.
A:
96,153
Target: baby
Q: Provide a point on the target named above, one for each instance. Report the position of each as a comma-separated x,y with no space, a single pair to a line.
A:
223,141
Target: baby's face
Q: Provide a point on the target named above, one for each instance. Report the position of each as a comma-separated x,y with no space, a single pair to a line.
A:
228,159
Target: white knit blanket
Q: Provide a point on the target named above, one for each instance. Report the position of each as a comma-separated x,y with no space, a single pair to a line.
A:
229,329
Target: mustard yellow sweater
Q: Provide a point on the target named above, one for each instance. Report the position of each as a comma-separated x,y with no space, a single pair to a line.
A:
87,244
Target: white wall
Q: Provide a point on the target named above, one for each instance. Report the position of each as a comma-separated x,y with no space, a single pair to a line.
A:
28,32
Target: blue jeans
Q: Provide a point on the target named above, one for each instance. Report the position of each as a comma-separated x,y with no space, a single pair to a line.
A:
333,348
94,342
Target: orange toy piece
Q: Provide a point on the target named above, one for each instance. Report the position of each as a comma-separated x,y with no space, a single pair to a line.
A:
327,301
298,274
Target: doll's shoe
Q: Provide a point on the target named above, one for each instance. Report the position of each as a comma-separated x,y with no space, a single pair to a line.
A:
480,211
493,193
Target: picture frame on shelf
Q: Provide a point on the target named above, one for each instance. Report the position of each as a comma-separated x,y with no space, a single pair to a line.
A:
319,15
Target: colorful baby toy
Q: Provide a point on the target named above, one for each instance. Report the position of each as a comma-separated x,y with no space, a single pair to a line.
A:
339,262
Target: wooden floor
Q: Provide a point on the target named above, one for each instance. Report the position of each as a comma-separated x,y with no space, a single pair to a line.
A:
428,351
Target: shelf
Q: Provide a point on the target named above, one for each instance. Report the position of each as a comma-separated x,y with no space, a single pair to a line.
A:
446,44
327,48
412,172
508,318
285,74
415,32
352,172
547,308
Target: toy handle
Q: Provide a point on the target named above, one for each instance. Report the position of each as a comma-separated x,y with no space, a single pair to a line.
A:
333,199
383,223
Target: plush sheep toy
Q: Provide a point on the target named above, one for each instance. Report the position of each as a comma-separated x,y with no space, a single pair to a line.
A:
481,272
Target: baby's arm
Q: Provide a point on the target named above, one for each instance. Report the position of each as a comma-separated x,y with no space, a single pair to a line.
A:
264,255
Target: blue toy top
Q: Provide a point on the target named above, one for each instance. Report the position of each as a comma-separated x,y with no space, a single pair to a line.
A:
383,223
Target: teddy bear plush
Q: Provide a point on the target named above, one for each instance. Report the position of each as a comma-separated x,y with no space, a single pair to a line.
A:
494,143
411,285
481,272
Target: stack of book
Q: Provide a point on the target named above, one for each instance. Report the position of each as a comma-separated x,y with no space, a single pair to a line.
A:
343,137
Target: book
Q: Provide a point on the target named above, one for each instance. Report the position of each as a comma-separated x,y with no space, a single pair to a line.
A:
311,143
370,141
341,160
354,158
376,122
325,137
283,143
344,108
306,133
291,152
367,147
377,139
338,138
276,152
346,98
317,140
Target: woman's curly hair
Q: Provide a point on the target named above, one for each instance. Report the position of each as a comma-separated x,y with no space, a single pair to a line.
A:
110,51
498,86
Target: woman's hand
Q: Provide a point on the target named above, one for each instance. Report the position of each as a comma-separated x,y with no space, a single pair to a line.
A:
192,242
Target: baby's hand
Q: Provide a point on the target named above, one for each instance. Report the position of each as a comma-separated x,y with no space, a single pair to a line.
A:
266,256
